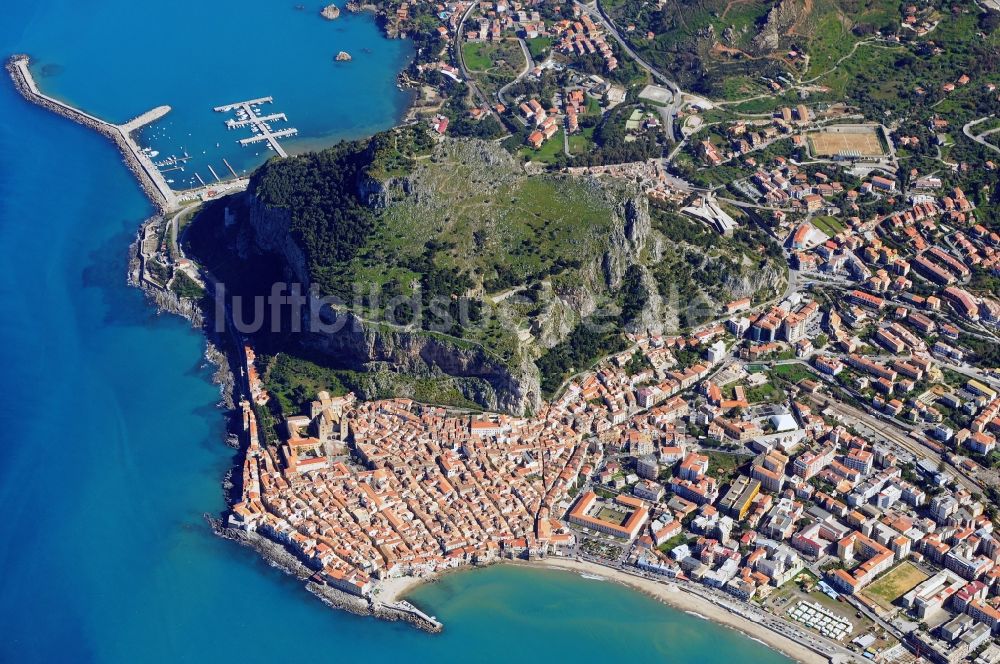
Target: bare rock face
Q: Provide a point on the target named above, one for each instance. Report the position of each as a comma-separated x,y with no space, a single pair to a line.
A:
480,377
655,317
330,12
477,374
768,278
780,18
627,239
269,232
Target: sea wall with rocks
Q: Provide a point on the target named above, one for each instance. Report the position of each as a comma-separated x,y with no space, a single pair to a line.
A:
112,132
278,556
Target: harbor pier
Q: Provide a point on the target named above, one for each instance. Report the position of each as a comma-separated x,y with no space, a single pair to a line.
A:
139,163
262,131
148,173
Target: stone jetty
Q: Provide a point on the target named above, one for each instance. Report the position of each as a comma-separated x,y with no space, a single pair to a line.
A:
150,178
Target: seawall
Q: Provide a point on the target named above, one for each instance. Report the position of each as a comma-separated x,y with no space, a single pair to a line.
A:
150,179
278,556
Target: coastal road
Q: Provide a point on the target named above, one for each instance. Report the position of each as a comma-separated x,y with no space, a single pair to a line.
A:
786,628
460,59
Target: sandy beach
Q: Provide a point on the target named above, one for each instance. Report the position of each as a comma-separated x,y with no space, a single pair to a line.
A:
396,589
677,598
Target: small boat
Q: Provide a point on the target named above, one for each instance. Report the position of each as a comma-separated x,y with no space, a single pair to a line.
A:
153,153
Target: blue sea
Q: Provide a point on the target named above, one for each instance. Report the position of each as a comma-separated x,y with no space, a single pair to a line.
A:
112,442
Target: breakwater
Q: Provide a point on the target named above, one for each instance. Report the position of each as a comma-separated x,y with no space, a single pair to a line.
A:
150,179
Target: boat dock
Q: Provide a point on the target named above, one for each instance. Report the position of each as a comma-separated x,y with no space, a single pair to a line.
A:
249,102
269,137
273,117
247,116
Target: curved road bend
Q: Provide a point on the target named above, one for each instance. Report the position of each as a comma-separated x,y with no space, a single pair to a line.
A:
460,58
529,64
967,130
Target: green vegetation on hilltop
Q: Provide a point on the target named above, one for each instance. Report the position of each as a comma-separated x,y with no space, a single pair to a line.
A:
734,49
444,245
684,36
294,380
320,192
453,239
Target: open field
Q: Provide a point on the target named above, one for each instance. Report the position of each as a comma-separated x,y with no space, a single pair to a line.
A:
793,373
768,392
582,141
539,47
895,584
548,153
829,225
855,140
477,55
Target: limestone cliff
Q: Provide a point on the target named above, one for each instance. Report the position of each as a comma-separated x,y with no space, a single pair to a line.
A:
477,374
269,233
380,349
780,18
627,239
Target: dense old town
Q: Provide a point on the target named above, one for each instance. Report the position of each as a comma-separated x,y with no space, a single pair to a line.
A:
819,459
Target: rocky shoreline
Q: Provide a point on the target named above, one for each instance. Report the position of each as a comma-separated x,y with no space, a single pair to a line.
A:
200,316
167,301
112,132
279,557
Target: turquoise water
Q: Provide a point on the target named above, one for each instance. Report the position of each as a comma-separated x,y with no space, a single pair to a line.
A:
560,614
111,447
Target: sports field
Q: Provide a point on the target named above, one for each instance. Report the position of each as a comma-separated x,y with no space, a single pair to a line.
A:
846,141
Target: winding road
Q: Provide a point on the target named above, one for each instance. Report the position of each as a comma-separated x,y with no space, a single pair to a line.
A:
978,138
529,64
671,109
460,59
